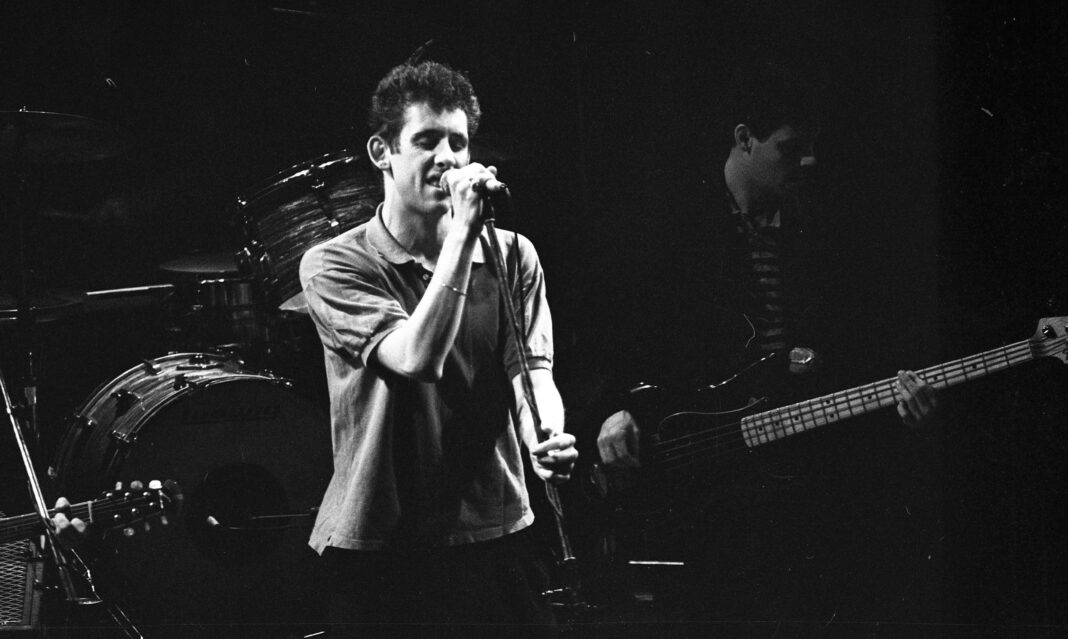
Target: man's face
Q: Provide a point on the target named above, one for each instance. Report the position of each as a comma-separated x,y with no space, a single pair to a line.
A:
429,144
779,164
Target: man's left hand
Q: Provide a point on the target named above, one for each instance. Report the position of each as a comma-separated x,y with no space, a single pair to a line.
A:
554,458
917,403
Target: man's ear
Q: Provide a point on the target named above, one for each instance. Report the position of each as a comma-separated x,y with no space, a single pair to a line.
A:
743,138
379,152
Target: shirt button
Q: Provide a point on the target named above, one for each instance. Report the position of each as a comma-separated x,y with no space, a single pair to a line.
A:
426,277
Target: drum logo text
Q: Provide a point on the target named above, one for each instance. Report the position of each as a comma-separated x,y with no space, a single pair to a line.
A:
227,413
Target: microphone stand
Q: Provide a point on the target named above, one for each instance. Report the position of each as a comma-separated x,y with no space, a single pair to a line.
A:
567,560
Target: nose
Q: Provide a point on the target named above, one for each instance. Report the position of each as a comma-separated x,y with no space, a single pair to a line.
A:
444,155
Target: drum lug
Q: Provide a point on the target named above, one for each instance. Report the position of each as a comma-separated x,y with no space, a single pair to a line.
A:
198,362
150,366
124,400
182,382
124,439
318,188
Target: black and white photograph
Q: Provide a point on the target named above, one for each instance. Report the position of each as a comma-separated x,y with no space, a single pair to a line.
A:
588,319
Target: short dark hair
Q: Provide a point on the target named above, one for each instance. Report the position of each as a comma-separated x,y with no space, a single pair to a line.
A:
440,87
767,95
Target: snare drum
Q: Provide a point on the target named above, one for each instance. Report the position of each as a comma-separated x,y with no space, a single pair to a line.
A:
252,459
299,208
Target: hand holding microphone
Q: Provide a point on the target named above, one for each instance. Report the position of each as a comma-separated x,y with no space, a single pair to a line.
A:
475,192
484,183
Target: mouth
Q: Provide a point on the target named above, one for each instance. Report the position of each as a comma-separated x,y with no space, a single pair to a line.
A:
434,181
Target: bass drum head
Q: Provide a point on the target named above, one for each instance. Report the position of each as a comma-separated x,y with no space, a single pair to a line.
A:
252,460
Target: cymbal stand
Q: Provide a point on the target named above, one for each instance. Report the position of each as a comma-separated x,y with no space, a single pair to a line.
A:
55,548
25,324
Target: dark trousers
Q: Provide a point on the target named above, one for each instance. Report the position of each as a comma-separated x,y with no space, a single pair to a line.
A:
491,588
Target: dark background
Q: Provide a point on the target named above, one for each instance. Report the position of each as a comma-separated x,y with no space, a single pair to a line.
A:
941,171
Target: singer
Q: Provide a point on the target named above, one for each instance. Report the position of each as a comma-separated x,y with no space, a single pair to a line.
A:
423,525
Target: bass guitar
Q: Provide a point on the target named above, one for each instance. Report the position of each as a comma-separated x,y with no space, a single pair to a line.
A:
687,444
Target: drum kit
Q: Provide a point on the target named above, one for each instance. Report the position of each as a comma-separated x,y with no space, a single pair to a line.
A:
249,449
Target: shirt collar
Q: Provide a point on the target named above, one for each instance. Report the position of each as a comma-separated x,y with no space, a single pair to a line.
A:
390,249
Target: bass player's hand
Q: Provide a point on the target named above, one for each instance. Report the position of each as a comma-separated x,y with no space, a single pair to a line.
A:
618,441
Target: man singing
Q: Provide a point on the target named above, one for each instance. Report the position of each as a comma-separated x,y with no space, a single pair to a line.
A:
424,521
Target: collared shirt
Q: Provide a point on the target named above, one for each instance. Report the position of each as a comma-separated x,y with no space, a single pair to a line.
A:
421,464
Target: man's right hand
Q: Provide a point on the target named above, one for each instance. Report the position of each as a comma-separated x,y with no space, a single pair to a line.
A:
618,441
464,187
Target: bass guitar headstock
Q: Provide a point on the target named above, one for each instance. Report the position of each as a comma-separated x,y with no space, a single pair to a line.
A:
1050,338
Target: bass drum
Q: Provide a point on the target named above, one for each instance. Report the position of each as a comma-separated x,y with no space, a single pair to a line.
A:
252,459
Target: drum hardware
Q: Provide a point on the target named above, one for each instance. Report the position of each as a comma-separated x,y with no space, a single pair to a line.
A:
32,140
65,560
246,450
126,439
199,362
44,307
267,522
213,303
124,400
182,382
318,187
133,297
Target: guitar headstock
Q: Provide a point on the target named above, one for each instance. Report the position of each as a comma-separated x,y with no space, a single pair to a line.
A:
1050,338
124,507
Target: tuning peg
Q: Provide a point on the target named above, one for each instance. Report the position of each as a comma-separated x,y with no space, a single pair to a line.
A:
148,526
137,486
129,531
163,520
155,484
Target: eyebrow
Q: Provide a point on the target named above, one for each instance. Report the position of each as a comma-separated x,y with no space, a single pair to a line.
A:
436,134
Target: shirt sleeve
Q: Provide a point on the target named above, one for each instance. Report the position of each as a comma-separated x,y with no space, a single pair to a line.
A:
349,299
528,292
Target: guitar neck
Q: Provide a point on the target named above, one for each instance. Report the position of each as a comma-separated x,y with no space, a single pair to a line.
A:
773,425
24,526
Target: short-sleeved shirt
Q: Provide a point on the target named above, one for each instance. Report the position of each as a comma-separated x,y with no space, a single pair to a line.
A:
416,463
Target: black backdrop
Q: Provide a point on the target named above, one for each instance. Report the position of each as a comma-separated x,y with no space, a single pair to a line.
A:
940,157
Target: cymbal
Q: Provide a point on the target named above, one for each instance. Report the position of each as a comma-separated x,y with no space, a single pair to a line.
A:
46,306
202,264
58,138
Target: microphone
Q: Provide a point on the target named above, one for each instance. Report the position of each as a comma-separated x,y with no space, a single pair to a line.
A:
491,186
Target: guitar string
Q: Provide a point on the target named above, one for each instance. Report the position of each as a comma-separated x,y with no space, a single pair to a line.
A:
953,372
27,524
824,408
728,438
849,395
